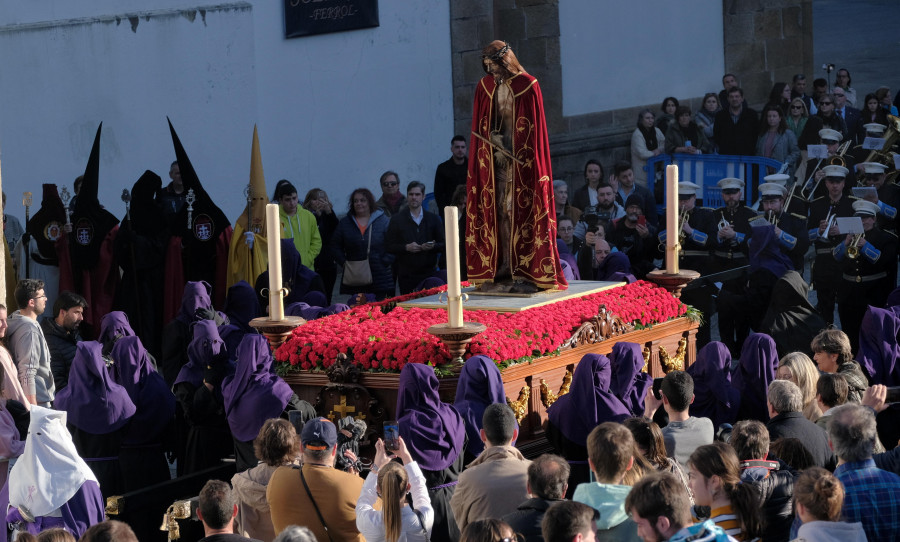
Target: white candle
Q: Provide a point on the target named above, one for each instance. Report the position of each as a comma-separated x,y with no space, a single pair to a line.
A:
672,232
273,230
454,289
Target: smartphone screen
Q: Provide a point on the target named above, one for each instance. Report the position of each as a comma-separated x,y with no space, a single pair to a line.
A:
391,435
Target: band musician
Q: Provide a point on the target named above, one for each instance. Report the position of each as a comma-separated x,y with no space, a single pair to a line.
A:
823,233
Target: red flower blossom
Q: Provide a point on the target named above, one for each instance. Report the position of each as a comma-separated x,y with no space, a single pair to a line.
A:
382,341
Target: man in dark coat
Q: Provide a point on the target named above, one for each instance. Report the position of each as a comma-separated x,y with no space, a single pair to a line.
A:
451,173
61,334
415,237
736,126
548,479
785,403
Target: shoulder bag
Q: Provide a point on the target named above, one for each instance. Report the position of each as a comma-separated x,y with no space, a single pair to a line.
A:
358,272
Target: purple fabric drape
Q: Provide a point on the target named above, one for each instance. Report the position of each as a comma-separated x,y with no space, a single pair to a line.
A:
196,296
113,325
766,254
878,348
755,371
154,401
206,345
628,383
714,396
589,401
94,402
434,431
479,385
254,393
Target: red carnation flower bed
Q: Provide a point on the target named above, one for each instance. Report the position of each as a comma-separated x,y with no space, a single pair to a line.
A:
380,341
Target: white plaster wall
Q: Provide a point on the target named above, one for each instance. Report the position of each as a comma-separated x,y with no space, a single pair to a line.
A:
619,54
333,110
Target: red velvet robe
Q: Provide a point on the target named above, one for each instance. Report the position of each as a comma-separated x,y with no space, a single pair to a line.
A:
97,285
533,255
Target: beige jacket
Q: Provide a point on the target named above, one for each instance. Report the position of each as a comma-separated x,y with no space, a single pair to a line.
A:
253,518
491,486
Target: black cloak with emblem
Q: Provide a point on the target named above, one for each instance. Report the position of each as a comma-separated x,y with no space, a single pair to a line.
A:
43,232
198,251
91,270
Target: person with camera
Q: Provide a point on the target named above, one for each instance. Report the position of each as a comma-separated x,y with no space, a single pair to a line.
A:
316,495
393,481
634,236
600,215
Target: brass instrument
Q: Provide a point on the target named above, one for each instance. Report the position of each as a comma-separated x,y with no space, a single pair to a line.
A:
772,217
836,160
853,247
830,219
884,156
682,220
722,222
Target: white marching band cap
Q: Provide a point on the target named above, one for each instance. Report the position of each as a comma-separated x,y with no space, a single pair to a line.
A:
827,134
731,183
863,207
687,188
777,178
874,128
836,171
873,167
772,191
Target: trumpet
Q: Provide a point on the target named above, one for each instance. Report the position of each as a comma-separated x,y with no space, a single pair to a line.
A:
830,219
682,220
772,217
853,247
722,222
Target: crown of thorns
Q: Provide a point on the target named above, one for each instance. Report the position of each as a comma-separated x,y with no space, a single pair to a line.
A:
498,56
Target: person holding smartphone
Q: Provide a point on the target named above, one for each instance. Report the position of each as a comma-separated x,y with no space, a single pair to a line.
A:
634,236
416,238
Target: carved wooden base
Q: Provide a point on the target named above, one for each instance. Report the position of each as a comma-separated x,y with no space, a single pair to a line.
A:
457,339
673,283
277,331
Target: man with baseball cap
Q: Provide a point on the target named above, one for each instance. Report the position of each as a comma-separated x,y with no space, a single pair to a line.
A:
316,495
868,270
790,229
730,248
823,233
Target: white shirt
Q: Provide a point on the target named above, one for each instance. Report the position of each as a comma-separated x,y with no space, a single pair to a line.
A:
370,521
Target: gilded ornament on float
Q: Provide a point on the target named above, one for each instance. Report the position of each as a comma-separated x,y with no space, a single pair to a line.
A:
676,362
548,397
520,405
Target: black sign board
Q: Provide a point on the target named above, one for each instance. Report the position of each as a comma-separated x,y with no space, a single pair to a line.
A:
308,17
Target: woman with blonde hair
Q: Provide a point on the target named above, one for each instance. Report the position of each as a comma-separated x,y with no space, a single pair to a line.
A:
392,481
799,369
818,499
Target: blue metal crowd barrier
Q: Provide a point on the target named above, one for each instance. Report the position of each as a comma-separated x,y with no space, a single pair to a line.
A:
706,170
